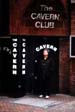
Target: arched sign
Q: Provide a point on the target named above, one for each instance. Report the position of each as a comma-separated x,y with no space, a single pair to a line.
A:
46,46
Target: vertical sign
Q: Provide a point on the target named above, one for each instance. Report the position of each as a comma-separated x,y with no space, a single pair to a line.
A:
23,56
14,55
19,56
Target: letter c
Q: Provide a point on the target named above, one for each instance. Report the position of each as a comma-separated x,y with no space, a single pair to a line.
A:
37,24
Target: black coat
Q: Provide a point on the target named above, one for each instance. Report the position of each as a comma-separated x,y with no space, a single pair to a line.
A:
45,68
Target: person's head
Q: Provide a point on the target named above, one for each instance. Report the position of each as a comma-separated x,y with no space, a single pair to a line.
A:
45,53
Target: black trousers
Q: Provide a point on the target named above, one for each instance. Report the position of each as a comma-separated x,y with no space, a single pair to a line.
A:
44,86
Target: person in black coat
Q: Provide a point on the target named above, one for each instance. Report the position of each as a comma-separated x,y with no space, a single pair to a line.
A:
45,68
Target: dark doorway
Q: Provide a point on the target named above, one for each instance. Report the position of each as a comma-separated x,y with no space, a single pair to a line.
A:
20,84
33,55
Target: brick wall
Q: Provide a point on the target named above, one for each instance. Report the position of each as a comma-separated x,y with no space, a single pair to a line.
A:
17,24
72,76
64,65
72,19
72,60
66,68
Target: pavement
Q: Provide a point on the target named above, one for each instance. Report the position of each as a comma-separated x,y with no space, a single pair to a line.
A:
31,103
